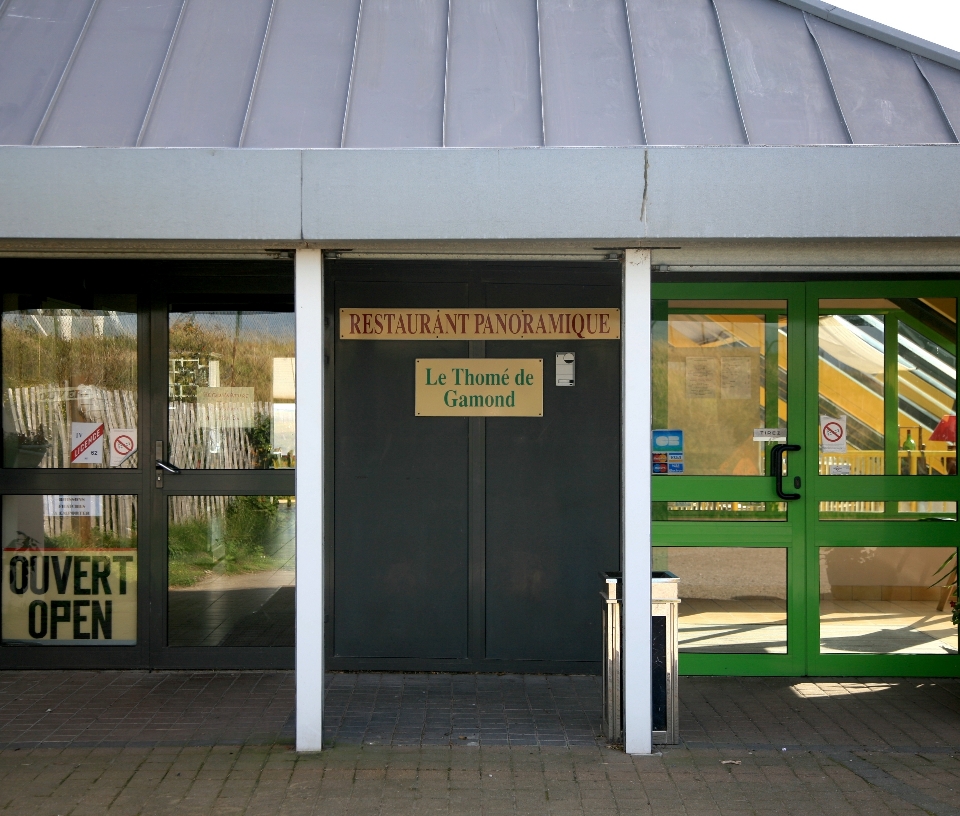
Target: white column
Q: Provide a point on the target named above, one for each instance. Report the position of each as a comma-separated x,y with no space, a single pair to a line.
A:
309,372
637,561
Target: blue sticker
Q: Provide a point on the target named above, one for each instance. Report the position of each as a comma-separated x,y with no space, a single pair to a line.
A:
675,467
668,441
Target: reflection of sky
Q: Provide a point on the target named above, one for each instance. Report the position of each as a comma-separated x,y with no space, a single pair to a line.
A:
284,426
279,325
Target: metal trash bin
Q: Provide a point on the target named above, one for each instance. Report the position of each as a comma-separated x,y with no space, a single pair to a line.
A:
612,686
665,600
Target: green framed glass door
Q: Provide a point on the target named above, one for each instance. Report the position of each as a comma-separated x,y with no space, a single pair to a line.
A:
727,370
827,573
881,517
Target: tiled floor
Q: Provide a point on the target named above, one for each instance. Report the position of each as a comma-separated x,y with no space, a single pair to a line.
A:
473,709
135,744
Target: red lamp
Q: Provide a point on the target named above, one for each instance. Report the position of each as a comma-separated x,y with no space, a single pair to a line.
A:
946,430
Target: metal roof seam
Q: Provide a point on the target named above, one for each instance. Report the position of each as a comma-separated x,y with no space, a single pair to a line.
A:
733,79
826,68
878,31
936,97
64,73
636,79
353,67
543,117
446,76
256,74
163,70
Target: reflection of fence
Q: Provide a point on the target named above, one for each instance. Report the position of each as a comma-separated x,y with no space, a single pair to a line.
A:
41,415
215,435
188,508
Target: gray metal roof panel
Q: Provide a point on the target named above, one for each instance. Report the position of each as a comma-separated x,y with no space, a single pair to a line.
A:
589,86
881,91
686,92
301,93
782,85
203,95
301,73
397,85
105,94
37,38
878,31
493,75
946,85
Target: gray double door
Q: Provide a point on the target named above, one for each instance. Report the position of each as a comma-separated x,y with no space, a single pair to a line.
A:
469,543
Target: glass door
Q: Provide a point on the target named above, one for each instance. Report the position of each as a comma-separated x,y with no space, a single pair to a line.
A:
224,452
882,550
72,478
810,535
728,459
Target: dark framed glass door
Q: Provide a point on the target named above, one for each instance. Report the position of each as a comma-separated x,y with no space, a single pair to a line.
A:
74,339
108,562
223,445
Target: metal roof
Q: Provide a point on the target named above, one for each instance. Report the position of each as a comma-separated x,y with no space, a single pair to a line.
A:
465,73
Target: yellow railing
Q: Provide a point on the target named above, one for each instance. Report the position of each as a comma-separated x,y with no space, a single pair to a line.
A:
870,462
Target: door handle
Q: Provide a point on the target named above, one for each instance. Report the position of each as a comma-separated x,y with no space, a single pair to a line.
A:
776,467
162,465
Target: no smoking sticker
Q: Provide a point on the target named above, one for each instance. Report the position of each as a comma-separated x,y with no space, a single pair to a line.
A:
123,444
833,434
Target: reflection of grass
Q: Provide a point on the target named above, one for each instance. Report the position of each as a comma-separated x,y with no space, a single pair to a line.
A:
96,538
194,546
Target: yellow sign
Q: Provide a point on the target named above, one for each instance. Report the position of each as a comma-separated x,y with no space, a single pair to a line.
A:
480,324
73,597
479,387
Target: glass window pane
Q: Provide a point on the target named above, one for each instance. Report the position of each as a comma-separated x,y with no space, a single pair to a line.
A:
888,511
231,570
232,388
927,389
733,599
719,511
851,377
69,382
863,417
719,374
70,570
886,600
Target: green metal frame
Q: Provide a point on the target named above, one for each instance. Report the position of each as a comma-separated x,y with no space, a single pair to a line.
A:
804,532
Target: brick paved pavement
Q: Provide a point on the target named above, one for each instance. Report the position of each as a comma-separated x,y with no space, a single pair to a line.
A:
142,743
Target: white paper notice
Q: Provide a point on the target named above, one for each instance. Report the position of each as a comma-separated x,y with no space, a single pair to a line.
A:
703,378
63,506
735,378
833,434
838,470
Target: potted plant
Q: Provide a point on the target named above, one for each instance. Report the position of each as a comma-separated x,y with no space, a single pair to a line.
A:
947,571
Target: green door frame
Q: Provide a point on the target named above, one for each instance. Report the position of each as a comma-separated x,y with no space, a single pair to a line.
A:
803,532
